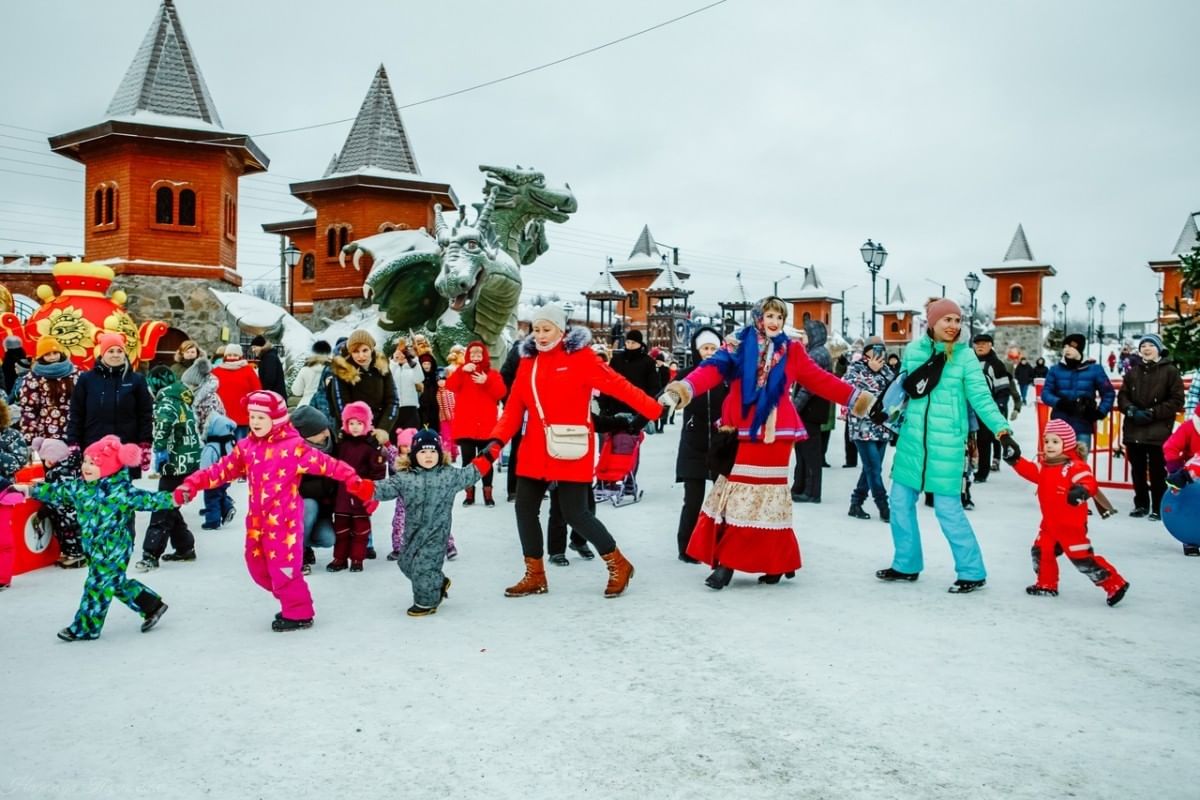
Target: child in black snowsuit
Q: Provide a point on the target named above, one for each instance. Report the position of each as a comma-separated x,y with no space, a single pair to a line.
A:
427,485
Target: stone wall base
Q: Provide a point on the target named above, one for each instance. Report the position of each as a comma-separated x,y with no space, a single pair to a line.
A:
183,303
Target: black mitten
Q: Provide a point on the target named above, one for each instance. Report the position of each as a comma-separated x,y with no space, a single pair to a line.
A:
1077,494
1010,451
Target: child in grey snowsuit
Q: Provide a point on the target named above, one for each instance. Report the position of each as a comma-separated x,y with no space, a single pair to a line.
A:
219,439
428,486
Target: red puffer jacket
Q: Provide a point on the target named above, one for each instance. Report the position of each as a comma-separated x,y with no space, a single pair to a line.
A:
1053,482
476,405
566,376
1184,443
235,380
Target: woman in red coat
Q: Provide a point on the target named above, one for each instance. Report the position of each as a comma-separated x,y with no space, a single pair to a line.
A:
236,379
746,520
478,390
553,385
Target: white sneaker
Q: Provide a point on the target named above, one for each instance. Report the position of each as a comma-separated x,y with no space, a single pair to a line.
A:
147,564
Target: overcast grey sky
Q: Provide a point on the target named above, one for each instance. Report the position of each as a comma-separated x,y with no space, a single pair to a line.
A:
754,132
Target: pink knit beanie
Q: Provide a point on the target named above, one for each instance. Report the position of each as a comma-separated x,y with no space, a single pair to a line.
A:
109,455
109,339
939,308
1060,428
404,438
268,403
358,410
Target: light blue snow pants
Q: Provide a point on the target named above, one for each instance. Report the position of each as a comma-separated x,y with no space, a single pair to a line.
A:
906,534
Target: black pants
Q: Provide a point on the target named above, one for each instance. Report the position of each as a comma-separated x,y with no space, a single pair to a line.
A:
693,498
1149,475
471,448
512,463
556,530
984,442
851,447
408,417
806,479
168,525
572,498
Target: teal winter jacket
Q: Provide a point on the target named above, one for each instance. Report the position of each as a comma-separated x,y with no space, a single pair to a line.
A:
933,438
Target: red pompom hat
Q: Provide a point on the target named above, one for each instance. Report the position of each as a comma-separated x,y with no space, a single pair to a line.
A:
109,455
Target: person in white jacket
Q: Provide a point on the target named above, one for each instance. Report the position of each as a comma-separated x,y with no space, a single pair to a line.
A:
407,374
308,379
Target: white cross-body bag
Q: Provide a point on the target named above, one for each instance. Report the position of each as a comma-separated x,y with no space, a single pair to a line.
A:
563,442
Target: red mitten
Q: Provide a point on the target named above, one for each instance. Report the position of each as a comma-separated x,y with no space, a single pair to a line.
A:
363,489
147,456
182,495
371,505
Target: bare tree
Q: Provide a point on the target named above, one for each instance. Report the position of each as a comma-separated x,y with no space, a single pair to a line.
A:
264,291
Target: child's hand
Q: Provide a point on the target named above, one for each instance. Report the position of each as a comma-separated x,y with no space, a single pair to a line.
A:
182,496
468,368
381,436
363,489
1077,494
371,505
1009,449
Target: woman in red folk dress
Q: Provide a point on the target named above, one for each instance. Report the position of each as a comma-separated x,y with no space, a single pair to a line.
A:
746,520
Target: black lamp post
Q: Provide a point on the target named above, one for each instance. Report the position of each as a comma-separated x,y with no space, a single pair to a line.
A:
1066,298
1091,305
1121,322
874,256
1158,301
972,282
1100,329
291,257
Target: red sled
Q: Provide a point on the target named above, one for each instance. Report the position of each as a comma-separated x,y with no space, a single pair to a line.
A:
26,542
616,470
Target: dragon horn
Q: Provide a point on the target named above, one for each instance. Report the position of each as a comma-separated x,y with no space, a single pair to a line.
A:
439,222
485,214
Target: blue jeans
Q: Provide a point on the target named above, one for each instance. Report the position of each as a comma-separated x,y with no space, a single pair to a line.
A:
318,530
906,534
870,457
216,505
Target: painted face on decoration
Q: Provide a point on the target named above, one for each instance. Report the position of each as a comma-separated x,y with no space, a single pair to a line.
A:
113,357
361,355
706,350
355,427
260,423
1052,446
772,322
89,470
427,458
947,328
545,333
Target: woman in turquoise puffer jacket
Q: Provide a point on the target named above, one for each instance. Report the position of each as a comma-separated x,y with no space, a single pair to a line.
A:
929,453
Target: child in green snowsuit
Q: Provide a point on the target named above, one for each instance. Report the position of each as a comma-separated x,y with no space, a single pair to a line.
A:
428,492
105,501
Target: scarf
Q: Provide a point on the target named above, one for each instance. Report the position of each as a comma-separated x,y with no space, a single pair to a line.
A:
59,369
763,374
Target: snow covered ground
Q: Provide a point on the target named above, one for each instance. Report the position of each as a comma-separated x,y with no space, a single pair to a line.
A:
833,685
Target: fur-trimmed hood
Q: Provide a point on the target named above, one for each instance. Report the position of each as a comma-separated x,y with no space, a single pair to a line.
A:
347,371
314,360
574,339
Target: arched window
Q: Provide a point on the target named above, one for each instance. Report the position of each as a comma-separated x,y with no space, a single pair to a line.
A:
109,205
807,317
164,206
635,300
331,243
895,326
1016,295
187,207
343,236
98,207
308,270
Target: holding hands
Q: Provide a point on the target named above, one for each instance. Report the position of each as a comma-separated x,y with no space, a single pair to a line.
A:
1010,451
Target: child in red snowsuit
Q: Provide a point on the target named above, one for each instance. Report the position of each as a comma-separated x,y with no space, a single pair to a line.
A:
352,517
1064,485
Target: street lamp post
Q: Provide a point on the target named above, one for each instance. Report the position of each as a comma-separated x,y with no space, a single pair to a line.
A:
1158,303
1066,298
935,283
291,257
972,282
1091,305
874,256
775,290
1121,322
1100,329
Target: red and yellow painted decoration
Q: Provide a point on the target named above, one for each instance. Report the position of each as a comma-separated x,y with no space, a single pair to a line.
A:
81,313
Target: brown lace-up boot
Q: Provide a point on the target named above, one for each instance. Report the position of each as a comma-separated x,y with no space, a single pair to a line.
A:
534,581
619,573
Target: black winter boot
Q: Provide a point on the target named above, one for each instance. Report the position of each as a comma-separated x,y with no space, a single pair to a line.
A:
890,574
965,587
856,511
283,624
720,578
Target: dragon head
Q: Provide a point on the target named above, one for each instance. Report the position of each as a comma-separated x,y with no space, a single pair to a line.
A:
405,264
524,191
467,250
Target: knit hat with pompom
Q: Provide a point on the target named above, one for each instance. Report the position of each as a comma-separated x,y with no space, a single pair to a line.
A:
268,403
109,455
358,410
50,451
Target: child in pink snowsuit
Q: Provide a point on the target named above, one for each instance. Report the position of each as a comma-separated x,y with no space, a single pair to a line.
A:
273,458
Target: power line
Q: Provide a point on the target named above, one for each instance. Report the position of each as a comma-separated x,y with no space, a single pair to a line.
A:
47,177
510,77
46,244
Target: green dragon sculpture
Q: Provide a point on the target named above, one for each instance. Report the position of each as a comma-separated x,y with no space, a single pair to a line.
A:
464,282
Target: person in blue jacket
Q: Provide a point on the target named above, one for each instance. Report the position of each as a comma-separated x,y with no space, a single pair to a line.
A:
112,398
1077,391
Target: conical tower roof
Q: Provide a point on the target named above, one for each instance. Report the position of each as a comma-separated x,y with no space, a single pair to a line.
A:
897,302
667,283
377,141
1018,249
813,289
164,77
605,287
644,256
736,298
1189,237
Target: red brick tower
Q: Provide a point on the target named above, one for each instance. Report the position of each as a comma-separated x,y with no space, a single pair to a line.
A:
813,301
1171,269
1019,296
638,272
161,187
372,186
898,323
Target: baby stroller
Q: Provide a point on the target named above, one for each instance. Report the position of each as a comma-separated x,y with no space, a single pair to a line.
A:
616,477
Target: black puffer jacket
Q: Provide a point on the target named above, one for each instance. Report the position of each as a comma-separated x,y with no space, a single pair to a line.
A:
700,418
1157,387
110,400
813,410
371,384
270,371
638,368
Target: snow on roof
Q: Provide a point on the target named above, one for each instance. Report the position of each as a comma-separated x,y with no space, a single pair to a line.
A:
163,77
248,310
645,254
737,295
813,289
667,280
144,117
897,303
1189,237
378,139
606,284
